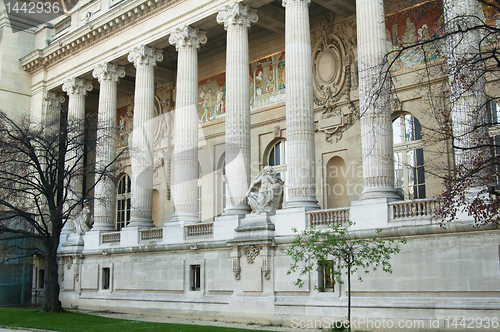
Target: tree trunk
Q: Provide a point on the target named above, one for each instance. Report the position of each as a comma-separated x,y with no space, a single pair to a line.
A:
52,303
349,295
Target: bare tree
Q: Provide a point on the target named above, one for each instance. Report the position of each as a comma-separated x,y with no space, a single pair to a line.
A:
457,64
39,166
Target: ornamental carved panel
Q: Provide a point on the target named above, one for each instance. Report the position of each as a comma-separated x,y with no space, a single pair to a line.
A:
335,75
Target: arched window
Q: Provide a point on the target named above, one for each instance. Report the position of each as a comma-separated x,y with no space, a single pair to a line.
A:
123,202
278,162
409,175
494,132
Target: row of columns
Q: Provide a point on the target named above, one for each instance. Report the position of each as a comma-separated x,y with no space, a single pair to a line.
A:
376,125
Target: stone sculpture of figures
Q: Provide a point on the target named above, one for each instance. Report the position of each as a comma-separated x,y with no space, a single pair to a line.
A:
266,192
83,220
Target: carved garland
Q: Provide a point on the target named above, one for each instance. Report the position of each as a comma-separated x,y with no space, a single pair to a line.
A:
251,252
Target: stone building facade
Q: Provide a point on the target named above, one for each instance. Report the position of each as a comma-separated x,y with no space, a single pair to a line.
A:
207,93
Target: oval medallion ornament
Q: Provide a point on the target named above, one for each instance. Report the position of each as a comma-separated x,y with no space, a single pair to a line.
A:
328,69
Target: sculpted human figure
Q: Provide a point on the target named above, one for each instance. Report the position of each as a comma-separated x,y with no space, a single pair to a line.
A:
83,220
266,192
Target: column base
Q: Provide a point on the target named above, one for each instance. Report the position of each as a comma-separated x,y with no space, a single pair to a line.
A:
141,223
309,203
380,192
185,218
241,209
103,228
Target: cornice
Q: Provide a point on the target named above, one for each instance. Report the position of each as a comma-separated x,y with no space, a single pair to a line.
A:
91,33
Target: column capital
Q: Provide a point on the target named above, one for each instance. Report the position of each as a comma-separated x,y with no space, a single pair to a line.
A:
75,85
53,98
287,2
187,37
108,72
145,55
237,14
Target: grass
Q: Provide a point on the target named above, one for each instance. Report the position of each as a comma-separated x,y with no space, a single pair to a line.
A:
79,322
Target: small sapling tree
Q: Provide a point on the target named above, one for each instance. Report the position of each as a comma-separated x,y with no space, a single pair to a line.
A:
344,253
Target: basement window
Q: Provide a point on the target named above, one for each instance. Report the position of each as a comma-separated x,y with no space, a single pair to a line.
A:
195,277
326,281
106,277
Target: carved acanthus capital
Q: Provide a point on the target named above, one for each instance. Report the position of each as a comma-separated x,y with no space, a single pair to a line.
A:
108,72
75,85
145,55
187,37
290,2
53,99
237,14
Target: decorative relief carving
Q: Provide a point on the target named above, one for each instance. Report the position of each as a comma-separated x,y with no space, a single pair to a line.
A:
237,14
145,55
265,268
266,192
335,76
187,37
83,221
68,261
75,85
251,252
277,131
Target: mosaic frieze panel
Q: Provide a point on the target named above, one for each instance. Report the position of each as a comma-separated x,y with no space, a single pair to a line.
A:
267,87
415,24
124,120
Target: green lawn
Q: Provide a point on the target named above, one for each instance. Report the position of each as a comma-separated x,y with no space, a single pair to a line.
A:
78,322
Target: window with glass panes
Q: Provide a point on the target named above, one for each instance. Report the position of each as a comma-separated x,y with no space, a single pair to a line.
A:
277,161
123,202
494,118
409,173
326,281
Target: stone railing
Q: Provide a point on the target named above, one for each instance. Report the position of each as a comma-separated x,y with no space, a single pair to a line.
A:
110,237
420,208
151,234
199,230
325,217
62,25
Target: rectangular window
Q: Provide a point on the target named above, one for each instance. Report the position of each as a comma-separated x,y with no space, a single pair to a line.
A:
195,277
326,280
41,279
106,277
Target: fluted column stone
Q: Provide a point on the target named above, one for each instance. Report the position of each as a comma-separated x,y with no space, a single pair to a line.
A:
108,76
185,187
141,142
300,154
467,86
374,97
77,89
52,115
236,19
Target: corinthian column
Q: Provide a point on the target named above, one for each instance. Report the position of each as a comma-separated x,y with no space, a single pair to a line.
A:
141,143
77,89
374,99
467,86
299,107
105,190
236,19
185,187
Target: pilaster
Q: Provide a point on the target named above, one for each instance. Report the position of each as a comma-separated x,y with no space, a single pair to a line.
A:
141,141
105,190
236,19
185,187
